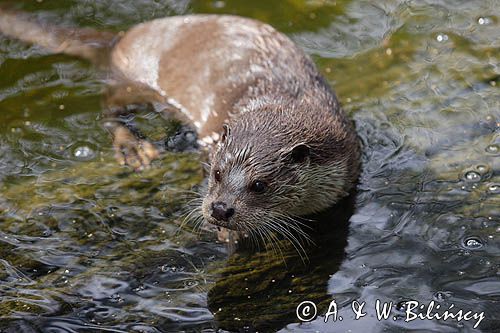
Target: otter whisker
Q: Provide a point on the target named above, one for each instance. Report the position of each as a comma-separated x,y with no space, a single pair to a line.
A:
252,232
191,217
296,226
189,214
271,224
198,225
291,224
296,244
280,227
194,202
298,219
206,166
273,240
300,239
255,234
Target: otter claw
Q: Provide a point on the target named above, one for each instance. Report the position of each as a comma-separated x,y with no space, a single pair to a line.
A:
130,150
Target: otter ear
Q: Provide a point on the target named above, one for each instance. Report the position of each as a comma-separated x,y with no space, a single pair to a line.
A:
225,133
300,153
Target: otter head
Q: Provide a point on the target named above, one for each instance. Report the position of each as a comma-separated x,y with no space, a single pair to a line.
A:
274,164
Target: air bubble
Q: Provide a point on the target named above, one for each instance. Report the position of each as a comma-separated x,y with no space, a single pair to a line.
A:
483,21
441,296
190,284
482,168
493,149
139,288
494,188
116,298
401,306
83,153
472,176
472,243
167,268
442,38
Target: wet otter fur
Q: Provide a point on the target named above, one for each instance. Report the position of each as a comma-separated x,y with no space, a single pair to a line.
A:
282,146
299,152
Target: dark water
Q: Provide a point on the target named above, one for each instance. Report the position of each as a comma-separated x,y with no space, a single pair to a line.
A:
88,246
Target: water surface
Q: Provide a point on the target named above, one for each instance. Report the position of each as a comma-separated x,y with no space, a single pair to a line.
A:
87,246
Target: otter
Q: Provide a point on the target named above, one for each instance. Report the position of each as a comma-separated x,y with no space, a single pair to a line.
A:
280,144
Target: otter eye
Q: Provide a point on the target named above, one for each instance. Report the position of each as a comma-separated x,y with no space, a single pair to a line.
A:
258,186
217,175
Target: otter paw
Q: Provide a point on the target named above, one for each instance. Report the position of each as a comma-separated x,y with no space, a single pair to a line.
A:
132,151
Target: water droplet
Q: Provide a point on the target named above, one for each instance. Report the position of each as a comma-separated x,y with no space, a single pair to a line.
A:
401,306
83,153
472,176
494,188
442,38
139,288
472,243
482,168
493,149
116,298
483,21
441,296
167,268
190,284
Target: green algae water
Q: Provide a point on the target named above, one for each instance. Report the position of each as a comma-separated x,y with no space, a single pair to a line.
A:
88,246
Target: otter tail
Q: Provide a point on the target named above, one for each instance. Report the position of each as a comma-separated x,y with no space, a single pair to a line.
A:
85,43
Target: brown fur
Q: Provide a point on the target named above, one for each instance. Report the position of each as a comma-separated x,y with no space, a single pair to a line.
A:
84,43
217,69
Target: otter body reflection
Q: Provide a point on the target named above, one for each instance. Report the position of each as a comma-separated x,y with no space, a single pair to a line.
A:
286,149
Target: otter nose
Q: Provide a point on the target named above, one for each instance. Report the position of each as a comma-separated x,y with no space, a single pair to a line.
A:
221,212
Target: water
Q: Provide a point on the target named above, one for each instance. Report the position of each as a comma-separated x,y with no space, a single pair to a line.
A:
87,246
